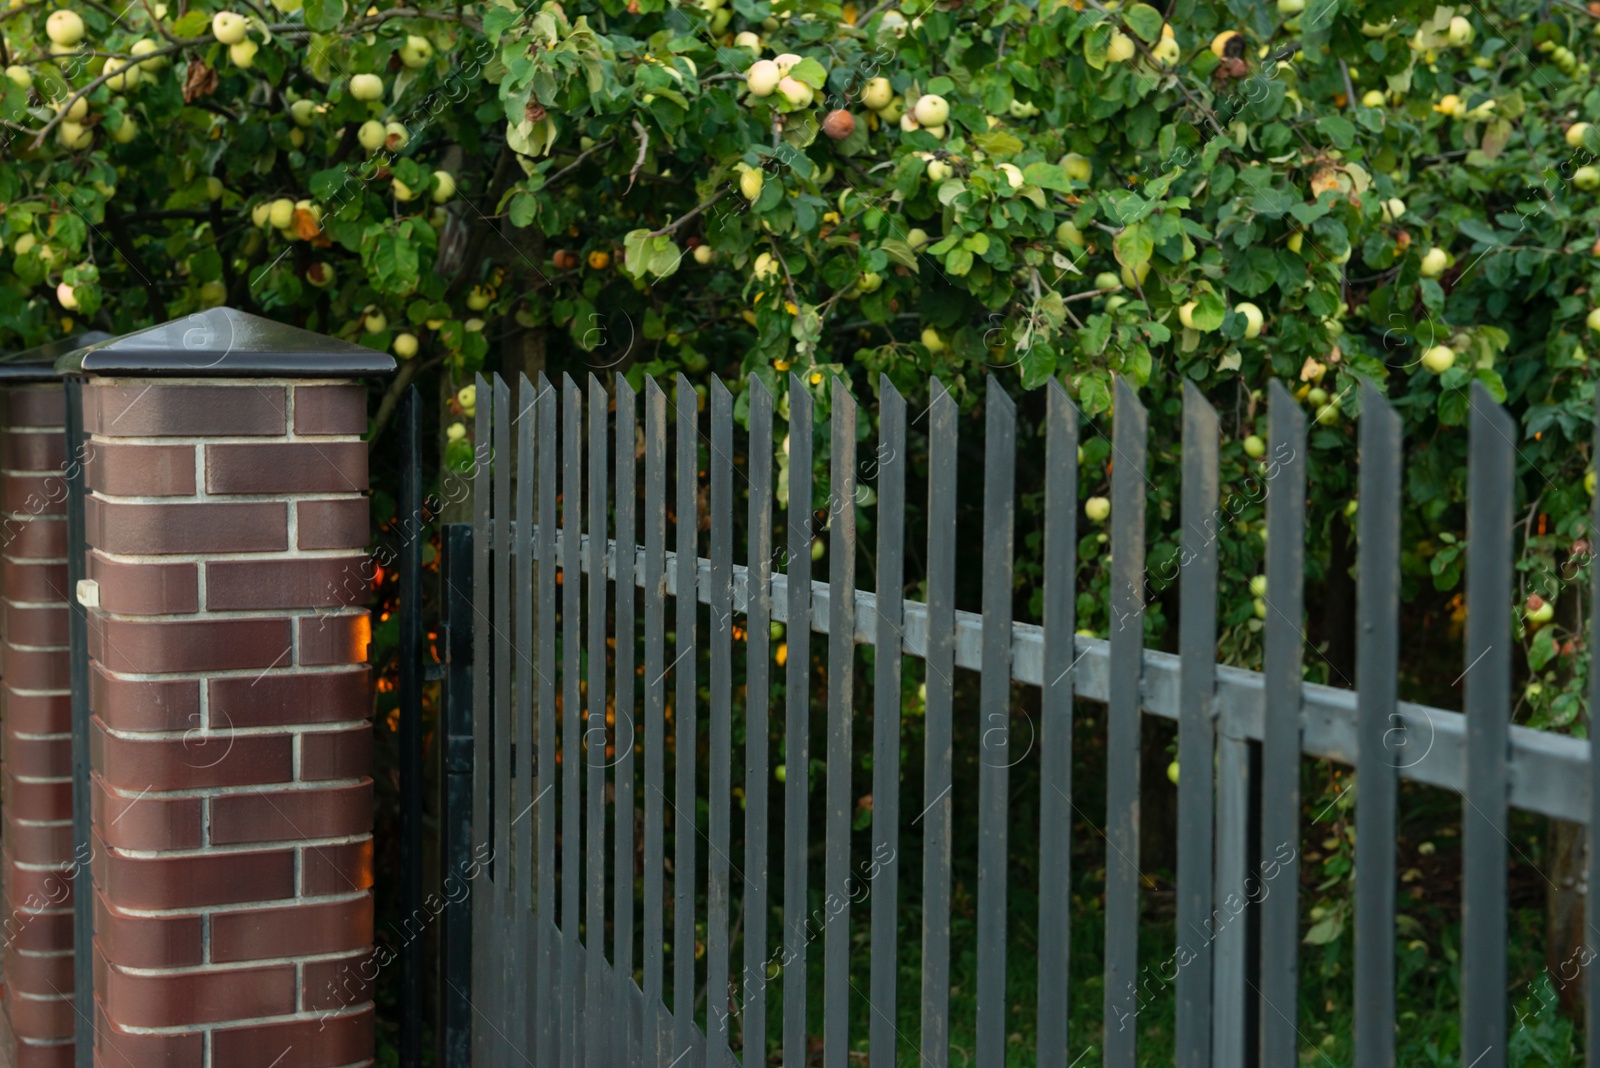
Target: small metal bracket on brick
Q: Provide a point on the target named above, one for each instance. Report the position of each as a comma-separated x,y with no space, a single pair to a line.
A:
88,593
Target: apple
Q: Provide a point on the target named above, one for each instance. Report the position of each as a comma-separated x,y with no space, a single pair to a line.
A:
143,47
281,213
1078,168
1460,32
302,112
243,54
1539,609
1575,134
765,267
931,340
25,244
839,124
877,93
74,136
1172,772
367,87
917,237
66,297
1434,261
748,41
870,282
405,346
704,254
781,773
1439,359
214,188
1097,508
1108,281
785,63
1013,175
416,51
1586,178
1186,314
1594,320
467,397
20,76
750,183
480,297
1392,209
1224,40
763,77
796,92
1296,240
1372,98
455,432
64,27
1289,8
1121,49
931,110
1258,605
1376,29
374,321
939,170
320,275
122,76
1166,52
893,111
444,186
229,27
396,136
474,326
1069,234
819,548
1316,396
77,112
1328,414
213,293
1252,318
1254,447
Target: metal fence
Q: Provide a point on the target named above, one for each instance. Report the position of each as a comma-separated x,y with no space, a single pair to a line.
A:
564,577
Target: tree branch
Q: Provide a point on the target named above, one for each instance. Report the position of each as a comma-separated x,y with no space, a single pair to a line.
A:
698,209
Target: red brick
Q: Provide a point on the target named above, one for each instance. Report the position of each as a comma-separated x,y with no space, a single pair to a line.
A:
35,1017
38,841
36,800
228,526
38,932
33,494
315,582
194,881
34,582
188,645
43,1054
325,1042
295,931
287,467
136,410
291,815
205,996
44,627
277,699
336,869
218,757
138,941
328,638
340,409
145,588
119,469
337,985
33,450
38,713
143,704
145,821
37,669
38,889
29,538
338,524
36,406
39,756
345,754
117,1048
39,974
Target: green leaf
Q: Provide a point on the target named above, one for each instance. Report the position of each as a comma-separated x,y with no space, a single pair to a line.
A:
1209,311
636,252
195,23
1047,176
810,72
1342,132
977,244
1543,650
523,210
497,20
1145,21
321,15
1133,246
998,144
899,252
958,262
1328,929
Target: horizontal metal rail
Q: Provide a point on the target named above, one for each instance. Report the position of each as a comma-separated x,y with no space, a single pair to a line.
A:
1548,772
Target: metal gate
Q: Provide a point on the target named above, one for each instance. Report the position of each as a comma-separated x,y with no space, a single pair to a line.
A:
570,693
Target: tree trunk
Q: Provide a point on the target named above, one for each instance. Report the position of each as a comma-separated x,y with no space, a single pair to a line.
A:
1565,858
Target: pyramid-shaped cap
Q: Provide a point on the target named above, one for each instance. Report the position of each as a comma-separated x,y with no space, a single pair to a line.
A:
225,343
38,364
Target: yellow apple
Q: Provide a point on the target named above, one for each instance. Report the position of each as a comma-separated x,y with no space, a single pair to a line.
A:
1434,262
763,77
366,87
228,27
405,346
1439,359
1252,318
877,93
64,27
1097,508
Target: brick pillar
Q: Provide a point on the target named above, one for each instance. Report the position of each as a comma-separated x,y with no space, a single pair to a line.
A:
35,710
229,697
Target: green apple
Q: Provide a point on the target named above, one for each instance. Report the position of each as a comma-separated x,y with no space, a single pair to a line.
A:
444,186
931,110
1258,585
370,135
320,275
229,27
1539,609
143,47
243,54
303,112
64,27
1594,320
781,773
366,87
1434,262
1586,178
1290,8
374,321
404,345
1372,98
796,92
917,237
750,183
479,298
704,254
819,548
455,432
416,51
1439,359
939,170
1254,447
396,136
20,76
1252,318
750,42
1107,281
281,213
785,63
126,131
1013,175
1166,52
1097,508
1392,209
877,93
1460,32
1121,48
1069,234
74,136
66,297
931,340
213,293
1575,134
1172,772
763,77
122,77
76,112
1078,168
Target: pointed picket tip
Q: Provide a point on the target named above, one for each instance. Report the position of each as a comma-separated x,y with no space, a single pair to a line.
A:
625,390
1199,411
228,343
596,389
719,390
1281,404
1058,393
998,398
652,387
758,389
1490,412
841,394
1124,393
687,400
544,383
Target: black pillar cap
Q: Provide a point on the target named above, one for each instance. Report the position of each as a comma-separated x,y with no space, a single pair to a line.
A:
38,364
225,343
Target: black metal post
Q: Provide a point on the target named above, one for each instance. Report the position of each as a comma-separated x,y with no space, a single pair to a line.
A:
411,785
458,871
78,636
